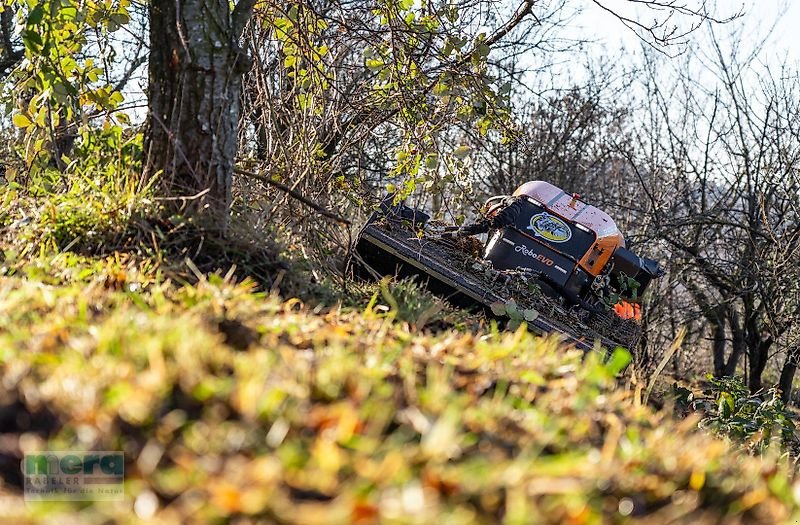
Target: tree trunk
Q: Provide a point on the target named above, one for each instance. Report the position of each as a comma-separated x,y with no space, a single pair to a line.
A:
10,55
758,362
738,347
787,374
717,323
196,69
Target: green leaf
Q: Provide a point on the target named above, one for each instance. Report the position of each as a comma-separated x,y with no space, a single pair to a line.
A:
120,18
618,361
374,64
432,161
452,14
448,48
530,314
40,117
461,152
726,405
498,308
69,13
35,16
533,377
512,310
116,98
32,40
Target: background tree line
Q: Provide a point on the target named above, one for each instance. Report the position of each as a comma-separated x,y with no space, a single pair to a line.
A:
272,112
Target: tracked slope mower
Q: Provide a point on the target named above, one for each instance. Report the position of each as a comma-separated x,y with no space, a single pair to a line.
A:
550,259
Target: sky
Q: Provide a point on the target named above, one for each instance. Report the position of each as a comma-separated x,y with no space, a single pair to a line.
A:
757,18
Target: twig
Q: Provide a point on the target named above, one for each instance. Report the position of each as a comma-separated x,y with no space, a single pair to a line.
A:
184,198
674,347
289,191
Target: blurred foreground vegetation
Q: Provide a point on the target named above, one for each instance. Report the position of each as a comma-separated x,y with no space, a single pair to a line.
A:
363,404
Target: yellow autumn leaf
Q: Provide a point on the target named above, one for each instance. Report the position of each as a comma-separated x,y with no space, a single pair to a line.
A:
697,480
21,121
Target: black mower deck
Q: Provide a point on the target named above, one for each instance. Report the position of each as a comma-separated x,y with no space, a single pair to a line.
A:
390,250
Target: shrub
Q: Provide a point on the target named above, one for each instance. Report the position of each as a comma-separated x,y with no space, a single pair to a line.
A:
754,419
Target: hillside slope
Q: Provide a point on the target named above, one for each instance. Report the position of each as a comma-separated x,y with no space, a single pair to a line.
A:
233,404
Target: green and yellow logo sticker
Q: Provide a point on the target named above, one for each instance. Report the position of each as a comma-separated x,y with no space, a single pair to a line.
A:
550,227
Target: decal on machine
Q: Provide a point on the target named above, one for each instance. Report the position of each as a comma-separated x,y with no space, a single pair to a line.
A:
550,227
533,255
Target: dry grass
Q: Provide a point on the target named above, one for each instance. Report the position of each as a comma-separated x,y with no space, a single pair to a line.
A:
233,405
